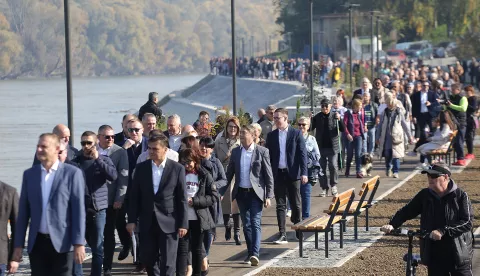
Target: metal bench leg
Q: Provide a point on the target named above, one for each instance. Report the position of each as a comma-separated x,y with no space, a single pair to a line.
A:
355,225
316,240
344,226
326,244
300,244
331,233
341,234
366,219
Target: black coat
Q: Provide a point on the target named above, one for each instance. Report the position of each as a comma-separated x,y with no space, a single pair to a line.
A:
318,123
206,197
456,224
149,107
8,211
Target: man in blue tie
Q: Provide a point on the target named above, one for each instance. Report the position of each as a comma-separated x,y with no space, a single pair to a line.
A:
52,207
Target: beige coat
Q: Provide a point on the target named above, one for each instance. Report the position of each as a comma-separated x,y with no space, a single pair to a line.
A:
398,129
222,151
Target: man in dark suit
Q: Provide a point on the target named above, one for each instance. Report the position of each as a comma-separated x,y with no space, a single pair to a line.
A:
8,211
52,208
364,88
122,136
63,132
116,194
150,106
253,188
288,156
423,104
159,203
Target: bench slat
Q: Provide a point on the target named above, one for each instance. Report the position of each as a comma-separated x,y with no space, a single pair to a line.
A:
304,222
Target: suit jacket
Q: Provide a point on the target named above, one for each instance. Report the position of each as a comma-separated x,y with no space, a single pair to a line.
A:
65,209
359,92
72,152
296,153
169,204
132,161
8,211
416,103
118,188
261,175
119,139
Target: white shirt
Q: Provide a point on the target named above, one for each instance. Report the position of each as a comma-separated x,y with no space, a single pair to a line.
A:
171,154
157,172
175,141
282,141
245,162
103,152
46,184
423,100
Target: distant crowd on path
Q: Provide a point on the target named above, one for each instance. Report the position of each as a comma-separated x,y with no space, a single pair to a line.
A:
178,185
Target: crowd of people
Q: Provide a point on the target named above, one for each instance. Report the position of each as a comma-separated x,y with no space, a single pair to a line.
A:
166,192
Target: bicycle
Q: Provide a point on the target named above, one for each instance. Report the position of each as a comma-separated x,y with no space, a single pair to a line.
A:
412,260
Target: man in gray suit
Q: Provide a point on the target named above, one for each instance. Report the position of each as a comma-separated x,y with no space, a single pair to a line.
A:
116,194
52,208
253,188
8,211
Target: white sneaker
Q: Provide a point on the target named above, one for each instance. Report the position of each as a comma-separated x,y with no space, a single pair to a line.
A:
412,153
289,213
323,193
395,175
334,191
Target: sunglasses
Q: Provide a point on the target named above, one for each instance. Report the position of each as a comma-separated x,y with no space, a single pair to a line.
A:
302,124
84,143
435,176
134,130
108,137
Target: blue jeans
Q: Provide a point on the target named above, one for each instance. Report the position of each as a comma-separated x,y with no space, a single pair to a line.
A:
95,228
390,162
369,141
251,213
77,269
3,269
355,144
305,191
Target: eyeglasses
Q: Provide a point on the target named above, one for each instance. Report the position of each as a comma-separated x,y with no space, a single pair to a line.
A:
134,130
84,143
232,127
108,137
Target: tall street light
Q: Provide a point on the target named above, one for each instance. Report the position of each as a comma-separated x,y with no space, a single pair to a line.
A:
378,41
371,44
311,56
350,23
68,68
234,59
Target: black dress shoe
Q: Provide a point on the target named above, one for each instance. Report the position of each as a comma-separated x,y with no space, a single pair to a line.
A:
123,254
107,272
236,237
228,233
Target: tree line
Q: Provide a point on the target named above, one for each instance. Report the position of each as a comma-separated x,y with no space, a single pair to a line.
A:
125,37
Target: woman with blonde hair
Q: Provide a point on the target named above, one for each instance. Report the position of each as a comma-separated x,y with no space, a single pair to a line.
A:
224,145
258,135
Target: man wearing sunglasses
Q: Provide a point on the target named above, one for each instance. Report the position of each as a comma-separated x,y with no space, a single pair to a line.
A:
116,193
446,213
99,172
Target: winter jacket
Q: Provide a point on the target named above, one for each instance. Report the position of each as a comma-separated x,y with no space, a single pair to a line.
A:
456,227
205,198
390,132
149,107
335,127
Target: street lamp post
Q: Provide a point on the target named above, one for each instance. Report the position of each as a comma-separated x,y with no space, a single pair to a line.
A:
371,45
311,56
68,68
243,47
234,59
350,24
378,42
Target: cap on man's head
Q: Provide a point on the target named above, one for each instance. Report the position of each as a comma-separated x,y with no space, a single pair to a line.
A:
325,101
437,169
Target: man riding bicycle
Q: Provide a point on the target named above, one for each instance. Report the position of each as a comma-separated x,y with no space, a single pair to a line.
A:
446,213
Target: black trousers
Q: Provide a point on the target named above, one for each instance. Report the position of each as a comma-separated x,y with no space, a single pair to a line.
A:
109,237
46,261
157,243
121,225
422,121
284,188
470,136
192,242
446,269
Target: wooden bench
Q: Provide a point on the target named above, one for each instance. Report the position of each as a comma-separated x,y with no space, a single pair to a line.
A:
445,152
325,223
358,206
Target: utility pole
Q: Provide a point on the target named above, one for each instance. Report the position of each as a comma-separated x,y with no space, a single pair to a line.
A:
234,59
68,68
311,56
252,50
350,24
378,42
243,47
371,45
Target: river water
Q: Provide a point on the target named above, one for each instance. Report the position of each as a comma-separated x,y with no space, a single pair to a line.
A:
31,107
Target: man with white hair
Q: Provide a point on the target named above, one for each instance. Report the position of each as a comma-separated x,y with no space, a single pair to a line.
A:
174,132
149,122
364,89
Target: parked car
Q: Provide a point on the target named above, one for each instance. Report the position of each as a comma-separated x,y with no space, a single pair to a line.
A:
422,50
397,55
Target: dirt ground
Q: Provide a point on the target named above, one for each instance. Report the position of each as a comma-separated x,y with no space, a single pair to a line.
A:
385,256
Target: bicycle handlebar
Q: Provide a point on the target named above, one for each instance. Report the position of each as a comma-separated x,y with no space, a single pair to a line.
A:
409,233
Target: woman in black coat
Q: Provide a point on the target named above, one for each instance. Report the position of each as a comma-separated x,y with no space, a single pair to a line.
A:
201,194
